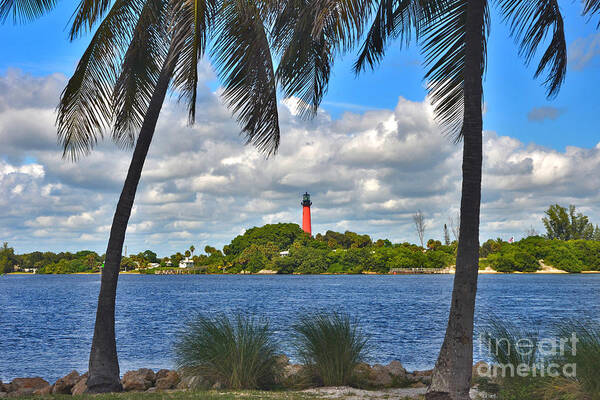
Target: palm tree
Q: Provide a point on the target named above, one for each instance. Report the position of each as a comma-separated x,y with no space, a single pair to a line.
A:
192,248
453,35
120,84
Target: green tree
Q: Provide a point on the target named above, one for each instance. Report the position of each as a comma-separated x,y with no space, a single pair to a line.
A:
121,82
453,35
596,233
176,258
281,235
566,224
7,259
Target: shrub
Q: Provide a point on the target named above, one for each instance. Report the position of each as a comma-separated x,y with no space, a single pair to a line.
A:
330,345
509,347
585,355
503,339
561,256
514,260
237,352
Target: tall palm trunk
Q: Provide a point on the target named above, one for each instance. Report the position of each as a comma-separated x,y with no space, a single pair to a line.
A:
452,374
104,364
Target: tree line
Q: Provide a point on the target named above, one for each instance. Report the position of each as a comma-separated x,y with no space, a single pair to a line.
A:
571,243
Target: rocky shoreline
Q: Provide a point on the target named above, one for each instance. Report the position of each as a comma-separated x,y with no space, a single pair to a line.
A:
291,376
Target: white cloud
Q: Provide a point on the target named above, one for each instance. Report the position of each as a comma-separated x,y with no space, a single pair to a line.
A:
583,50
366,172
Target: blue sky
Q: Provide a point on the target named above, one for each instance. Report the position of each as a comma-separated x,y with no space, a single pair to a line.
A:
41,47
370,159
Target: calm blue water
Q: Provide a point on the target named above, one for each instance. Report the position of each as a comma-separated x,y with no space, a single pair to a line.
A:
46,322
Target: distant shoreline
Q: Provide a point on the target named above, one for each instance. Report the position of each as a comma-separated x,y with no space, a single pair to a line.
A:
486,271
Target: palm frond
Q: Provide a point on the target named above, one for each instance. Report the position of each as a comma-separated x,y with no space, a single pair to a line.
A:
88,12
591,7
243,60
194,21
139,71
530,22
395,19
342,20
305,65
24,10
443,44
392,20
308,33
85,107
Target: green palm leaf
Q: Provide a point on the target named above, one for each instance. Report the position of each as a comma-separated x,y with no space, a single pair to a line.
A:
308,33
392,20
243,60
591,7
85,108
88,12
443,44
24,10
194,21
530,22
139,72
305,65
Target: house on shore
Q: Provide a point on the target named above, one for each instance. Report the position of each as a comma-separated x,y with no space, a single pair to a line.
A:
186,263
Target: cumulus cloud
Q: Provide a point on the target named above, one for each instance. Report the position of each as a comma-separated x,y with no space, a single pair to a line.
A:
539,114
583,50
367,172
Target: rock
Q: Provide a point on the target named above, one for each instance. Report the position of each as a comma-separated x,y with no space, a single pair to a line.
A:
396,369
169,381
379,376
151,390
22,392
360,376
427,372
217,386
24,384
3,394
44,391
81,386
192,382
66,383
161,373
426,380
293,376
481,369
139,380
148,374
418,385
292,370
282,360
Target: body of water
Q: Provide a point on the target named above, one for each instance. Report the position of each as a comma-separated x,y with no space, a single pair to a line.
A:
46,322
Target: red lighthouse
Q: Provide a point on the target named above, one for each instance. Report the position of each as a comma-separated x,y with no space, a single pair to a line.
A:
306,203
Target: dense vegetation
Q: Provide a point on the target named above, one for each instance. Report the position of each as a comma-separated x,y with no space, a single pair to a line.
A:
571,243
523,256
260,248
524,367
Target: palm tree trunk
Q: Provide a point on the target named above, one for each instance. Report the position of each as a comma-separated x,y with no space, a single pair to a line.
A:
452,374
104,365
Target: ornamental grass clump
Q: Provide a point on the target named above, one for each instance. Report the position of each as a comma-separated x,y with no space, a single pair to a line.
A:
236,352
330,346
563,366
514,355
580,362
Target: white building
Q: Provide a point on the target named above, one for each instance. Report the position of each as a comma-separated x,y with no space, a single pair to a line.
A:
186,263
